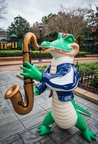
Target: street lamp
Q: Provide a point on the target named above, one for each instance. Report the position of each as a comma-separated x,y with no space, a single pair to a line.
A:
93,35
40,31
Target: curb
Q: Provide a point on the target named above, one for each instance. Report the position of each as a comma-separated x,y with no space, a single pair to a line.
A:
21,57
86,95
35,62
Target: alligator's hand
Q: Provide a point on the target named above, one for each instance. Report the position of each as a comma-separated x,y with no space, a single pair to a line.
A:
89,135
31,71
43,130
36,91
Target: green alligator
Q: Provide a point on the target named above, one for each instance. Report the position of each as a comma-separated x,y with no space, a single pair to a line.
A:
62,81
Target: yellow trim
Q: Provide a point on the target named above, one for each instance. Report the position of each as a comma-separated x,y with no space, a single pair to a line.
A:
12,44
5,45
1,45
15,44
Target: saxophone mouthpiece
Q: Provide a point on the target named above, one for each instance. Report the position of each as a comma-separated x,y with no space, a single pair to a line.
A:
40,48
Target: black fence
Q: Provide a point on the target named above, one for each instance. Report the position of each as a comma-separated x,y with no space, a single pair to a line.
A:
88,81
90,49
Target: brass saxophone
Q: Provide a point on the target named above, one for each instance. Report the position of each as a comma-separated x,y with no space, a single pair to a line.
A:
24,105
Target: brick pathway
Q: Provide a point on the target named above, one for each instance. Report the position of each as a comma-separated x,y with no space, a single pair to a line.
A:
14,63
16,129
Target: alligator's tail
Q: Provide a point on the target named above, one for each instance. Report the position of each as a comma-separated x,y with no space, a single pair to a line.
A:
80,109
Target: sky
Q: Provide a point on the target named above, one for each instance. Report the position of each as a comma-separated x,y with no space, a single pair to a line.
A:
34,10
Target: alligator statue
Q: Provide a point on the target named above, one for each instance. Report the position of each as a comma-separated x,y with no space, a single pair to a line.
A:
61,77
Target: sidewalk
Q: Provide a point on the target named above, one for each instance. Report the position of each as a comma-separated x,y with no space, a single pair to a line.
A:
18,60
16,129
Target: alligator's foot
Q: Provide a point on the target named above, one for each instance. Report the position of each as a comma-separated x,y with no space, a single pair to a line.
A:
43,130
89,135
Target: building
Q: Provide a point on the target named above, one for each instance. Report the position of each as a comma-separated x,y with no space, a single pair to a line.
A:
3,39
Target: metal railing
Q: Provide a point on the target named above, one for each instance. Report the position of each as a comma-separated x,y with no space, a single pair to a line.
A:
88,81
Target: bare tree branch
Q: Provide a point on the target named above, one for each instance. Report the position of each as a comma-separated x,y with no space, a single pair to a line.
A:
3,6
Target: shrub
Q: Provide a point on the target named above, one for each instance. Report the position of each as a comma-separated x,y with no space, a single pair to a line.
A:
89,69
42,68
10,53
81,54
15,53
34,54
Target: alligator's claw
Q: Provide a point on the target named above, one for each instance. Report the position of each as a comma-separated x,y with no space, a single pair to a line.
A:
89,135
43,130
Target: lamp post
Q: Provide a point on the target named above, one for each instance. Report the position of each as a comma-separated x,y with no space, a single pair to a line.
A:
40,31
93,35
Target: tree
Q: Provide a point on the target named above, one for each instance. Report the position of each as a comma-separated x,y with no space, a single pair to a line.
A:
3,6
20,27
67,20
35,29
93,17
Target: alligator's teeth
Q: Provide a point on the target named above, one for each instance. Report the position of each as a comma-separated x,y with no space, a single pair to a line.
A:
52,48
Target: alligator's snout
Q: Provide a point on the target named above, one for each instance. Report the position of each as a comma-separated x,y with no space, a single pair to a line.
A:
65,44
46,44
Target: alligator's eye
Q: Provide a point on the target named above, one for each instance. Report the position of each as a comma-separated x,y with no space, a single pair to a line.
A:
69,38
48,43
45,43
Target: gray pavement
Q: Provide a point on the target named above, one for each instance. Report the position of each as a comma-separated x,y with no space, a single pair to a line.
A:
16,129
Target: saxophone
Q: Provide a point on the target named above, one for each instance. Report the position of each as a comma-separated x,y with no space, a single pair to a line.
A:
24,105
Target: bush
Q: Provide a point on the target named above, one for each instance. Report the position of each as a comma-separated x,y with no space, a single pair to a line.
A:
89,69
34,54
42,68
10,53
16,53
81,54
94,83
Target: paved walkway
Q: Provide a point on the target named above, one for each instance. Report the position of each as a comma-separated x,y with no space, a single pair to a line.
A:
16,129
14,63
4,61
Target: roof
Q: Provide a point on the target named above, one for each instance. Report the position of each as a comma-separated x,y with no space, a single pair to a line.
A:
3,40
13,36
